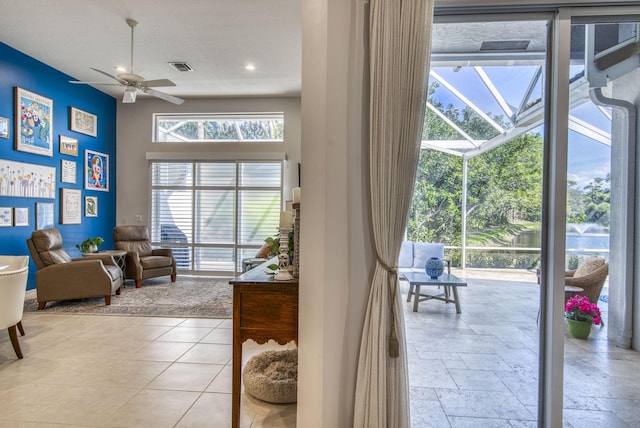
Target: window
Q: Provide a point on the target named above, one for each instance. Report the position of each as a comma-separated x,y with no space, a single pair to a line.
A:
214,213
193,128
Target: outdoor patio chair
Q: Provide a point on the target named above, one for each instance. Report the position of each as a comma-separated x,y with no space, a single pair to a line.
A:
590,276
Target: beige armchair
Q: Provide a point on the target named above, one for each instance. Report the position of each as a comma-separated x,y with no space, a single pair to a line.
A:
590,276
143,262
59,277
13,284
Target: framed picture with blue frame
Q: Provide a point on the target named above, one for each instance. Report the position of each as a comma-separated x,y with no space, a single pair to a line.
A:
96,171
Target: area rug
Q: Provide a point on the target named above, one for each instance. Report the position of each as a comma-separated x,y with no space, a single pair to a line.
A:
188,297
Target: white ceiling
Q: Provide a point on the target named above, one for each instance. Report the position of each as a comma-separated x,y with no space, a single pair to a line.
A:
218,38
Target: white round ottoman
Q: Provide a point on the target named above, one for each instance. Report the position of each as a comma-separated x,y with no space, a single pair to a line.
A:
272,376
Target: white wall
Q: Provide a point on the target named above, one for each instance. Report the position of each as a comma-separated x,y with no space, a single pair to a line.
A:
134,130
336,256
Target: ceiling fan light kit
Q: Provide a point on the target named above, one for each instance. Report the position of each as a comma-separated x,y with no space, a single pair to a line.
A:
129,95
133,82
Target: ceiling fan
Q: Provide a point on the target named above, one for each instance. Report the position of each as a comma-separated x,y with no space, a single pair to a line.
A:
133,82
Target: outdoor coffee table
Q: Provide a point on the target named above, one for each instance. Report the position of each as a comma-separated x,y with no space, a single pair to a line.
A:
447,281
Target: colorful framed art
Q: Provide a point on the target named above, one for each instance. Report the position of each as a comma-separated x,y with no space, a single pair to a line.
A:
27,180
91,206
96,171
34,123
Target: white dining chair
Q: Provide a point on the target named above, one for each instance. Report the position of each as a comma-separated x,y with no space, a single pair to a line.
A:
13,285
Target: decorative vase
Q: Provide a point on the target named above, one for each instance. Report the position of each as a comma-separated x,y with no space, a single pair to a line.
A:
434,267
93,249
579,329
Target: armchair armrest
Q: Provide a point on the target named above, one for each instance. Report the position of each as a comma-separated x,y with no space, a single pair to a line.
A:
75,272
105,258
569,273
166,252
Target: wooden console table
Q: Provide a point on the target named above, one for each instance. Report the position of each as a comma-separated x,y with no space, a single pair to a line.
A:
263,309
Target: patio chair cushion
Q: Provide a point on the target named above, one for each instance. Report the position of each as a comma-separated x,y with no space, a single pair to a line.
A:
588,266
423,251
405,260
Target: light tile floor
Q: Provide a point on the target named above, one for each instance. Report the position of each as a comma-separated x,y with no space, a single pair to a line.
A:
477,369
120,371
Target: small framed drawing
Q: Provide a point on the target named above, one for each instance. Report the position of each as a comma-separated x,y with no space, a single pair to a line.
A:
91,206
83,122
21,216
34,123
68,146
6,216
44,215
67,171
70,206
4,127
96,171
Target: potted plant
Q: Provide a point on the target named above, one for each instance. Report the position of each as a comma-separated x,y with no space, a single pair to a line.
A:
274,244
90,245
581,314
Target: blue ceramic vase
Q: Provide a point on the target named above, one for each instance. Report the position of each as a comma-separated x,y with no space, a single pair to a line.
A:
434,267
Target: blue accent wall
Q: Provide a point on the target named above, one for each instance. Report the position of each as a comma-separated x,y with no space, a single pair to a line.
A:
19,70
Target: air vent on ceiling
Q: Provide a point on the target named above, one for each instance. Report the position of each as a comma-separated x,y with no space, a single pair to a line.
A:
181,66
504,45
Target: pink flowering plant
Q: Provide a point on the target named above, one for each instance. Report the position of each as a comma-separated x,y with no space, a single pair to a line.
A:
579,308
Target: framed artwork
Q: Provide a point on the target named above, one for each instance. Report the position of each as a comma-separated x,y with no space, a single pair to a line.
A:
21,216
68,146
83,122
6,216
67,171
4,127
70,206
44,215
27,180
34,123
91,206
96,171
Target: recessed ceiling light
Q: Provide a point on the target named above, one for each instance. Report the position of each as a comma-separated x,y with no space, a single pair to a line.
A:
121,69
250,67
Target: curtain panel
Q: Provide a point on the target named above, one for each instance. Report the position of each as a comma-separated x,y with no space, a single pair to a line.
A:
399,49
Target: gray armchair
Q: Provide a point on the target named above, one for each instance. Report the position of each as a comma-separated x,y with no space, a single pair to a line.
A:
59,277
143,262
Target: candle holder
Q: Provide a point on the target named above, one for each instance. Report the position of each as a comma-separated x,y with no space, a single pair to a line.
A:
283,258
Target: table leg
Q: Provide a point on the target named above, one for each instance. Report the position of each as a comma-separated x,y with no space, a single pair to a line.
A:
410,292
457,299
416,298
236,384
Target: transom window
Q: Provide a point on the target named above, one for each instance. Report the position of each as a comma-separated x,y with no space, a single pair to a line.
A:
193,128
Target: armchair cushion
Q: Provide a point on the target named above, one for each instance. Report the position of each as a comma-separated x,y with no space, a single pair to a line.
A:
423,251
48,243
588,267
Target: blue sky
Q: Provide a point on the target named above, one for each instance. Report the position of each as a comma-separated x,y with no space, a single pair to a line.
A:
587,158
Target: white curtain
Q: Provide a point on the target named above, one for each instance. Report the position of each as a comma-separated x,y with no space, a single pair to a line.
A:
400,33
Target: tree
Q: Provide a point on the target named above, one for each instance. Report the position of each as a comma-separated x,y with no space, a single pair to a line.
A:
504,184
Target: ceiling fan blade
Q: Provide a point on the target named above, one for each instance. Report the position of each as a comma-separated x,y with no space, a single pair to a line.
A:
122,82
162,95
78,82
156,83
